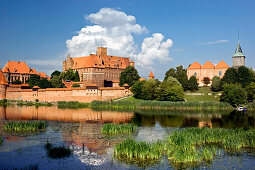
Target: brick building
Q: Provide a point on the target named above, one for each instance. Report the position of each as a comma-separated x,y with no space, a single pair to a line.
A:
100,68
16,70
207,70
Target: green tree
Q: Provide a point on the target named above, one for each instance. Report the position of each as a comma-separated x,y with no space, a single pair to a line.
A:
245,76
76,77
250,90
136,89
230,76
193,84
170,90
76,85
34,80
55,73
44,83
206,81
233,94
69,75
216,84
129,76
17,82
56,81
180,74
149,90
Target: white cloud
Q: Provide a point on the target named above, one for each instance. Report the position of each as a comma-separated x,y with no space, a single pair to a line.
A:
114,29
154,48
215,42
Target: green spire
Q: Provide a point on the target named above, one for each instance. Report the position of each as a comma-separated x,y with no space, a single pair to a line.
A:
238,52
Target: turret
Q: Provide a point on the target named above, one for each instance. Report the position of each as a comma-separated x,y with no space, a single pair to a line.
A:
151,76
101,51
132,63
3,84
238,57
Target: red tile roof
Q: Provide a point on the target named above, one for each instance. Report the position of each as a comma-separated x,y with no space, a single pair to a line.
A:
2,78
17,67
195,65
222,64
208,65
151,74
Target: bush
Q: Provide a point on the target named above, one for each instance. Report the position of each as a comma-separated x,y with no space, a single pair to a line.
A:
149,90
250,90
136,89
193,84
76,85
216,84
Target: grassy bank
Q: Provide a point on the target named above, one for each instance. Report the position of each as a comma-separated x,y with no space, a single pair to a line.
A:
162,105
188,146
24,126
72,105
111,129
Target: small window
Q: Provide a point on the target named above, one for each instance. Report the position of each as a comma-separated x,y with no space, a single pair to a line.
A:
195,74
220,73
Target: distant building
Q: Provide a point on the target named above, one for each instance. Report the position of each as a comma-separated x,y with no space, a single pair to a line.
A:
151,76
207,70
238,57
16,70
100,68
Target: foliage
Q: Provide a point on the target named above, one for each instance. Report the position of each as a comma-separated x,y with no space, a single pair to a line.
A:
56,81
129,76
233,94
245,76
69,75
170,90
216,84
110,128
180,74
206,81
149,90
25,126
250,90
34,80
17,82
193,84
76,85
73,105
230,76
55,73
44,83
76,77
136,89
188,146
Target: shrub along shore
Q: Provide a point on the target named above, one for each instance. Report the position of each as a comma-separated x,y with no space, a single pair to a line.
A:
188,146
20,126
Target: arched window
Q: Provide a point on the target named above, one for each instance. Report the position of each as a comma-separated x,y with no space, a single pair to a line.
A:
195,74
220,73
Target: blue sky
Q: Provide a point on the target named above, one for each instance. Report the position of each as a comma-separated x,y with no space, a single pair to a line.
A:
36,31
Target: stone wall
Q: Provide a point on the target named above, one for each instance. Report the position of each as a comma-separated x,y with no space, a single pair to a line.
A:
63,94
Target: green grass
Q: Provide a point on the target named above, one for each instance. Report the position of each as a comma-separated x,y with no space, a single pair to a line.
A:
188,146
131,98
110,128
73,105
203,98
32,126
30,103
203,89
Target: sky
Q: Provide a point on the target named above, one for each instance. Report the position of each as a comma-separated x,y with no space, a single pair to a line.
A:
157,35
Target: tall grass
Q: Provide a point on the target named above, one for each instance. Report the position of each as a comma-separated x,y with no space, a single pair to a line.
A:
25,126
110,128
188,146
163,105
72,105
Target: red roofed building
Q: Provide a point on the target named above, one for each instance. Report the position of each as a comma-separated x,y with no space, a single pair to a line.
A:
16,70
100,69
207,70
151,76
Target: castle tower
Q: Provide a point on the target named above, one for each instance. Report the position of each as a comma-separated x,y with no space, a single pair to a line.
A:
238,57
3,84
101,51
132,63
151,76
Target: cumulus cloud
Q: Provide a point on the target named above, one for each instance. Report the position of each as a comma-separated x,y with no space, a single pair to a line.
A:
215,42
154,48
114,29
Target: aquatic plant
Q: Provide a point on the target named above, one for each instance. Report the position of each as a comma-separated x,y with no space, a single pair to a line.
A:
72,105
30,126
110,128
188,146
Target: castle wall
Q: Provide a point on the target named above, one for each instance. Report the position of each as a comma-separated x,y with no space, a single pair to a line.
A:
2,92
61,94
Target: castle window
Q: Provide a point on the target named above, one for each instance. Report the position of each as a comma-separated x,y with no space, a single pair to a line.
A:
195,74
220,73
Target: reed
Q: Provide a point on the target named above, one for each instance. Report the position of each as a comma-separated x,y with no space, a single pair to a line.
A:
189,146
110,128
72,105
32,126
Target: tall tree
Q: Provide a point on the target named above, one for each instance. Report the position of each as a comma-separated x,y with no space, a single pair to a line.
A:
245,76
44,83
76,77
69,74
230,76
129,76
34,80
206,81
136,89
55,73
216,84
56,81
250,90
193,84
149,90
